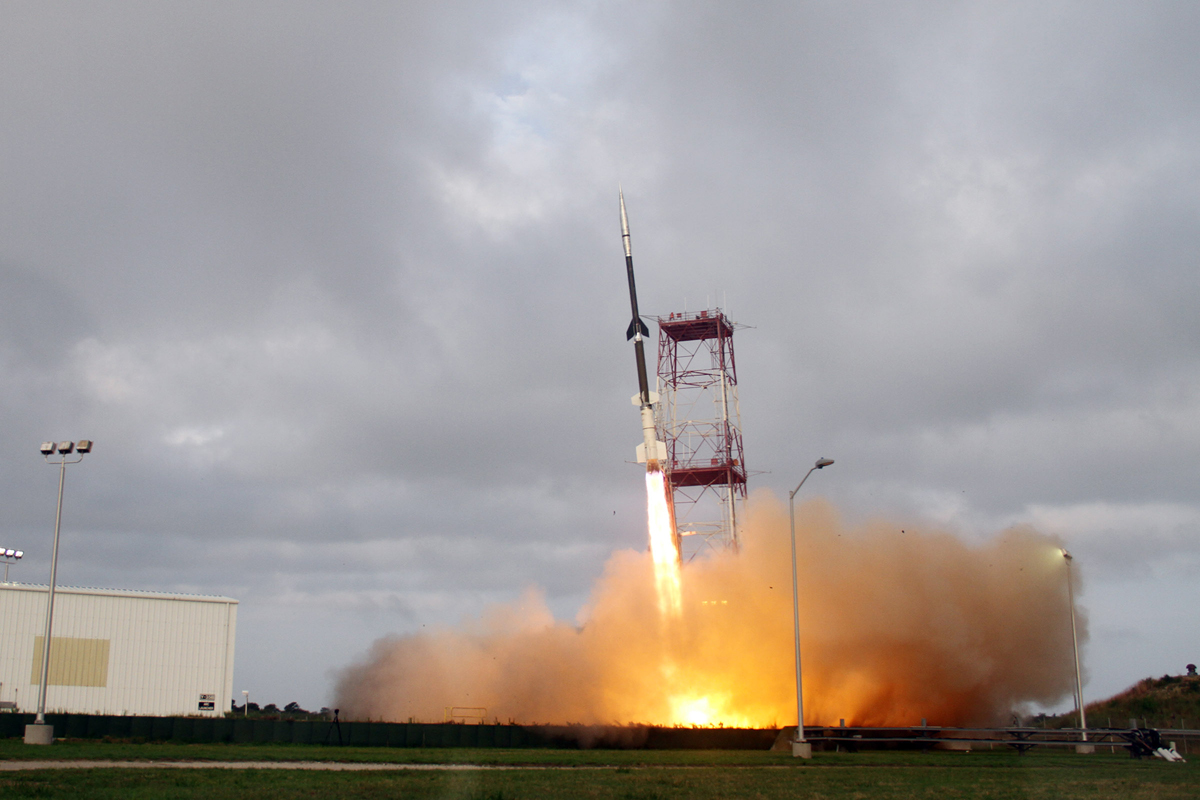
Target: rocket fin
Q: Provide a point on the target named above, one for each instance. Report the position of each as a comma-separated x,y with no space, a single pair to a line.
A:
660,448
636,327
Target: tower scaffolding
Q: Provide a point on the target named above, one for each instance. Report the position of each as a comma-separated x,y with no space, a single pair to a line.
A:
700,420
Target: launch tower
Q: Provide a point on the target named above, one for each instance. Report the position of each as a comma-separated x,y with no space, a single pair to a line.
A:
699,419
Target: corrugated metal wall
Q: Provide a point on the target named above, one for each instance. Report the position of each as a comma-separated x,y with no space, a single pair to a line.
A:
166,654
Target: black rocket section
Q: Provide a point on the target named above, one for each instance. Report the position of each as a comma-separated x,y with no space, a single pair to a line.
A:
637,329
651,451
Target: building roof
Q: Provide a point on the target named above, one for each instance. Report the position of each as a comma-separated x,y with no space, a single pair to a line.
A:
139,593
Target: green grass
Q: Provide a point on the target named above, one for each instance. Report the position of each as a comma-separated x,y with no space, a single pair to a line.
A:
1033,780
173,751
625,774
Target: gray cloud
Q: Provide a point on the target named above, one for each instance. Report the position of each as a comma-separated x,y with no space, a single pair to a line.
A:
347,282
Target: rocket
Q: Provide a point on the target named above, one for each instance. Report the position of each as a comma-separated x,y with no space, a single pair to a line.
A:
652,451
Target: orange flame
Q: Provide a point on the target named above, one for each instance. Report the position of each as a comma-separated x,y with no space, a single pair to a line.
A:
662,546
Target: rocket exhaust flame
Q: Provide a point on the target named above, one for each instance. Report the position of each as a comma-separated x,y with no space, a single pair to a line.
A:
896,627
663,548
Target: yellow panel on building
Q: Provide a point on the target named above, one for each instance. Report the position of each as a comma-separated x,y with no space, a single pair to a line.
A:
73,662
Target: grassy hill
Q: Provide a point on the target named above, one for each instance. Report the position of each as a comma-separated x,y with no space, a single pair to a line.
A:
1172,701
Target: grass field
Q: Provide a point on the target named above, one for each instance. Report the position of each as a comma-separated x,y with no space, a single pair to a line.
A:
634,774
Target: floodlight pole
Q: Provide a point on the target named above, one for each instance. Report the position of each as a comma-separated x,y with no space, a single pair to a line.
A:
62,477
38,732
800,747
1075,643
8,563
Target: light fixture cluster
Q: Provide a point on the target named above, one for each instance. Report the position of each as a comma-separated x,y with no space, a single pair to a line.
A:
10,553
66,448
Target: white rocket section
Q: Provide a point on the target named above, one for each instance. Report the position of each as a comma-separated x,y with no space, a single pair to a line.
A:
165,654
625,227
651,444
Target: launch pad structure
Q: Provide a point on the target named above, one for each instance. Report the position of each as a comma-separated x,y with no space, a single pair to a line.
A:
700,420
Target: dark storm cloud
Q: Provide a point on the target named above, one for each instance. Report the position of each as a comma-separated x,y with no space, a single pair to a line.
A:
338,290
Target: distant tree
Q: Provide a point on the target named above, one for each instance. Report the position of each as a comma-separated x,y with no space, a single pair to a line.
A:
294,708
1191,668
254,707
270,708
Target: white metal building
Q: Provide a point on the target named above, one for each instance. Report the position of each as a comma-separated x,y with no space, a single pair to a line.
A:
118,652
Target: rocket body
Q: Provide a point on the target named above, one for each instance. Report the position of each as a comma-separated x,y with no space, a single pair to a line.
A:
652,451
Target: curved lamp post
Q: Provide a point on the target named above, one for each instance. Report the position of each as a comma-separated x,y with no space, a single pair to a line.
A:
800,747
1075,643
39,732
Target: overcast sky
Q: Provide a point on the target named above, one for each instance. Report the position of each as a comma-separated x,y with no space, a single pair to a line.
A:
338,291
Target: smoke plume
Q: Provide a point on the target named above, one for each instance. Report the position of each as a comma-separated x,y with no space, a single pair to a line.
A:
897,624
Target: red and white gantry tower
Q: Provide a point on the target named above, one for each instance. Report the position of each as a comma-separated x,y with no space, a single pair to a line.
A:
699,418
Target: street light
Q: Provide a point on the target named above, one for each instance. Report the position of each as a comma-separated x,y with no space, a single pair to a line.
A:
1075,643
245,702
800,747
39,732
